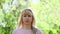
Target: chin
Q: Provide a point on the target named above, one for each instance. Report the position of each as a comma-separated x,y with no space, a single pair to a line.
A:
27,23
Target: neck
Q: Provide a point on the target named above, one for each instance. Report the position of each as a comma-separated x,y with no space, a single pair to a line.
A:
26,27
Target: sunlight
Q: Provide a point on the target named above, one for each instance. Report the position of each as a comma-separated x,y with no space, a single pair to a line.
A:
35,1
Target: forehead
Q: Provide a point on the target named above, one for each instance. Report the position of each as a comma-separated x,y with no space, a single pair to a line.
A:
27,13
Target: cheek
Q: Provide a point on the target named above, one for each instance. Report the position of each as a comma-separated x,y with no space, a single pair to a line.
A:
30,19
24,19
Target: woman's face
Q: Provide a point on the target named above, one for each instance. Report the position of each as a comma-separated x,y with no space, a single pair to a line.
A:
27,18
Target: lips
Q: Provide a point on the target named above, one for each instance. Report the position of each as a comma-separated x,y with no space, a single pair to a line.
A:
27,21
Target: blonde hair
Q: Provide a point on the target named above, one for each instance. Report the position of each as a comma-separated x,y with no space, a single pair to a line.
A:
20,22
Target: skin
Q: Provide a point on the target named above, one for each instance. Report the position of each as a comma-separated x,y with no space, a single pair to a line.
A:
27,20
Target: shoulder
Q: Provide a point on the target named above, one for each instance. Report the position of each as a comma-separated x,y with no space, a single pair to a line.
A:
15,31
39,31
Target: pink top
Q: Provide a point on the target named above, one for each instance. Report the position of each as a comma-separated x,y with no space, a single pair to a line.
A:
22,31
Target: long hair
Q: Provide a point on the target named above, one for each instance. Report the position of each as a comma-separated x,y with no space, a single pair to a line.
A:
20,21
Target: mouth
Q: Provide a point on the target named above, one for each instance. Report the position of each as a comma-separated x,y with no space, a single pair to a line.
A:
27,21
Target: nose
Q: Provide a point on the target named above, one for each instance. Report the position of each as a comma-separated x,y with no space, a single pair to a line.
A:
26,16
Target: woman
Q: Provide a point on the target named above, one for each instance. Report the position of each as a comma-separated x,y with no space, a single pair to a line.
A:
26,24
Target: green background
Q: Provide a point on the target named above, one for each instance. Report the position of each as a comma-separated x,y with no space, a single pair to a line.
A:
46,13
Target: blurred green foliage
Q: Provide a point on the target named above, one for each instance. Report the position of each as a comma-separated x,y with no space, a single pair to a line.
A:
46,12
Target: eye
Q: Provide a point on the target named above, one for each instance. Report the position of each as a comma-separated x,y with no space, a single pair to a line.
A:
24,16
29,15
